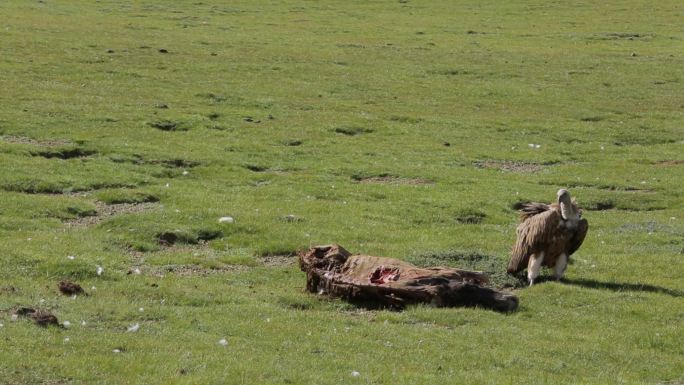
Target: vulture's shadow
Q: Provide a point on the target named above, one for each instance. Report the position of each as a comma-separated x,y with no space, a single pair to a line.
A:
593,284
622,286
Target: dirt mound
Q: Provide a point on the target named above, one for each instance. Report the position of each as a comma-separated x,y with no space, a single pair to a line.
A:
40,317
70,288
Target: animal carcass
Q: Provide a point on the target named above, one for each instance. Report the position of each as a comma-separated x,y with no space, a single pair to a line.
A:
380,281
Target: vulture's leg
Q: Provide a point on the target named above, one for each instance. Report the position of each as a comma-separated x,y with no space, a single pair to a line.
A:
533,266
561,264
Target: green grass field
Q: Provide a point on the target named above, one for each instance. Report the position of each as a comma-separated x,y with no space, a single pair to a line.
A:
402,128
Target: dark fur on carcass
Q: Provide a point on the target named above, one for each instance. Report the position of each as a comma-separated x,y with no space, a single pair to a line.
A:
389,282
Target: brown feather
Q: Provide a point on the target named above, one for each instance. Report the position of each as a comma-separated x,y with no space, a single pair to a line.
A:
531,209
535,234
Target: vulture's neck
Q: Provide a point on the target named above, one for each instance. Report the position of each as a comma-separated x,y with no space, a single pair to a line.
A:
569,213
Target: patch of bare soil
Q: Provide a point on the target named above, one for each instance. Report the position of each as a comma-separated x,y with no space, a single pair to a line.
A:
201,249
599,186
105,211
8,289
279,260
669,163
194,270
394,180
35,142
510,166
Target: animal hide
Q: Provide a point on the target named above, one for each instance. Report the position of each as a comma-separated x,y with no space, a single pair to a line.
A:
381,281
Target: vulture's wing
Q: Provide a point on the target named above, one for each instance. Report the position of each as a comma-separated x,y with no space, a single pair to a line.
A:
578,237
531,209
534,234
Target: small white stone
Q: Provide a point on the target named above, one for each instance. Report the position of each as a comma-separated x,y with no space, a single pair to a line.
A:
185,173
28,239
14,317
355,373
226,220
66,339
99,270
140,309
603,148
2,325
116,351
530,145
66,324
537,145
93,288
223,342
133,328
167,185
268,320
83,323
71,257
42,301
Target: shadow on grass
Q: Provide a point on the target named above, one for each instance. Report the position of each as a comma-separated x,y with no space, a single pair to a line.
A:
622,286
593,284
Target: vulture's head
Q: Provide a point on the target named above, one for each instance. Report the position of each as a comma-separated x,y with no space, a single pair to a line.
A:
569,211
563,195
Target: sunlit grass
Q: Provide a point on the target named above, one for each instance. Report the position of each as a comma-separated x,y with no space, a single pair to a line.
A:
407,129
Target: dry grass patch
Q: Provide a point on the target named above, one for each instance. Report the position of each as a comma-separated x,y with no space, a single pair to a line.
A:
510,166
105,211
393,180
669,163
35,142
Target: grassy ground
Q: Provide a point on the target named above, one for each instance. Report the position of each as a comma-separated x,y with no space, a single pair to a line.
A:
396,128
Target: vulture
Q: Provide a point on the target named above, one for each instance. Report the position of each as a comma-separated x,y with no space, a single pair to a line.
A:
547,235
